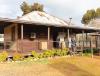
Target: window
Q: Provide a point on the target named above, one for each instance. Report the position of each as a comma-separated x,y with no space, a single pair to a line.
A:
33,35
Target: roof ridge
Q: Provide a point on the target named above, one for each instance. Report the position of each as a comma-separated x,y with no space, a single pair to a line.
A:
45,13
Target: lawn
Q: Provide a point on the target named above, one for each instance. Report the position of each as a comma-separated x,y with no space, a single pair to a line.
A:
59,66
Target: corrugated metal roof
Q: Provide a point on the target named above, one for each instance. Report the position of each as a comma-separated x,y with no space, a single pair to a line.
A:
42,17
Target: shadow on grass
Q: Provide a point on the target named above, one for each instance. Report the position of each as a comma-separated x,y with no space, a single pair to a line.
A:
68,69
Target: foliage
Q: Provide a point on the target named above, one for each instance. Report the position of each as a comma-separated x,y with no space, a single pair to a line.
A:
35,54
48,53
98,12
37,7
17,57
40,55
26,8
3,56
90,14
87,50
61,52
58,52
96,50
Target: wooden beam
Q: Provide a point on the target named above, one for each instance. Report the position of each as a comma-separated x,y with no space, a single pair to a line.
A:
16,26
48,33
83,37
22,32
68,33
22,37
68,39
91,48
86,39
82,41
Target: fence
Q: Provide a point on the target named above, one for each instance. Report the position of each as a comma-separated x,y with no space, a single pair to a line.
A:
26,46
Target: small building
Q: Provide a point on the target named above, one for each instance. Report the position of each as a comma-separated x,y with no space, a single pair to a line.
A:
38,31
95,23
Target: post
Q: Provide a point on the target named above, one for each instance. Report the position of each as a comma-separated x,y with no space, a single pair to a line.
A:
68,33
83,37
16,37
22,36
68,39
48,33
22,32
91,47
48,37
86,39
82,41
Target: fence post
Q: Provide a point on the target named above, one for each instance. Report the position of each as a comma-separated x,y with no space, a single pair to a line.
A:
82,41
91,48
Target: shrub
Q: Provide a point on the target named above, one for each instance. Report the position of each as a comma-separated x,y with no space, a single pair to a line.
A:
3,56
35,54
40,55
58,52
61,52
87,54
87,50
17,57
48,53
96,50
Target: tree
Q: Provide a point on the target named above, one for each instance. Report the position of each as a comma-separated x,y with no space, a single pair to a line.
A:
98,12
37,7
26,8
90,14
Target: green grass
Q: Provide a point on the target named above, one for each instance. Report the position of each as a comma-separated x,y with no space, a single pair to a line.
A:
59,66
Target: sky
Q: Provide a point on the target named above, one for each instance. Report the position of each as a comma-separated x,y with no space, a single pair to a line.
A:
63,9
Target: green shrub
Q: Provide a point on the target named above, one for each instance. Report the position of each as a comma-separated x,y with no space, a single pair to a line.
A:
96,50
48,53
35,54
17,57
60,52
40,55
88,50
87,54
3,56
63,52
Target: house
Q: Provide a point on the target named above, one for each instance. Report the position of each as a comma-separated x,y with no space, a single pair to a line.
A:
95,23
38,31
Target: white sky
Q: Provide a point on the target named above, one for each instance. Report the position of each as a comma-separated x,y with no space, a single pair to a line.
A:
63,9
